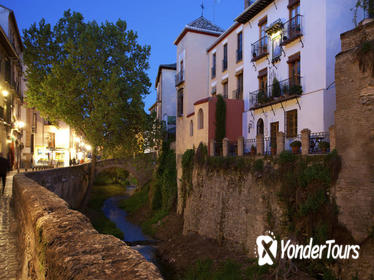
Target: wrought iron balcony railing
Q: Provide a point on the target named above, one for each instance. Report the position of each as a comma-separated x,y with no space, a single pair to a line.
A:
179,78
238,94
292,29
260,48
239,55
276,91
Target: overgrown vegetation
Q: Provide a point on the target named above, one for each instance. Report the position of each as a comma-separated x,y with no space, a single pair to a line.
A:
103,189
160,195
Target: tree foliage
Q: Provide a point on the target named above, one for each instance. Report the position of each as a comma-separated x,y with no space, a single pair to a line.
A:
367,6
91,76
220,119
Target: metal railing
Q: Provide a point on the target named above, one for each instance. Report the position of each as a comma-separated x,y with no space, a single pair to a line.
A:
224,65
238,94
292,29
239,55
286,87
260,48
248,143
179,78
315,146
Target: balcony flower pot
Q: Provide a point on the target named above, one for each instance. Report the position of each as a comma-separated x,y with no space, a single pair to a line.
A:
324,146
295,145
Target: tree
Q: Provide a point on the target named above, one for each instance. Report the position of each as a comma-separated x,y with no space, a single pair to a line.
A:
91,76
220,132
367,6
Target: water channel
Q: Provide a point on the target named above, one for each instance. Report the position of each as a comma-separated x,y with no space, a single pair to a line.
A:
133,234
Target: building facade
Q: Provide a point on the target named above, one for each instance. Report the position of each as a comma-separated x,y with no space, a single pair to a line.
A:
165,106
289,52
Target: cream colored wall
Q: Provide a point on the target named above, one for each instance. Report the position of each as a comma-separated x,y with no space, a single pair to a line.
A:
192,48
201,135
233,67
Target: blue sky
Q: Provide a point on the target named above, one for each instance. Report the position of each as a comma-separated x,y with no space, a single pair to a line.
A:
158,23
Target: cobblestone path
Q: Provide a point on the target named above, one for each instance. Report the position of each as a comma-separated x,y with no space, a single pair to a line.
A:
8,242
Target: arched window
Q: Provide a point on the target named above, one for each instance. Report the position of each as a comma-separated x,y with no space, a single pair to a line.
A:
191,128
200,119
260,127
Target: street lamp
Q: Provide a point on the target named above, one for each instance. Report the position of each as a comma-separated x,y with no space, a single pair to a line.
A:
5,92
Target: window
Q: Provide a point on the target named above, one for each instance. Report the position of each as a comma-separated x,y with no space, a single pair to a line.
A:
200,119
225,89
191,128
292,123
263,36
239,51
260,127
34,122
214,63
180,103
293,28
294,69
224,62
51,140
239,91
263,80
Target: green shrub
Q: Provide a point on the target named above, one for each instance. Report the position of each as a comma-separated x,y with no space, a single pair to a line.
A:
201,155
323,145
286,157
313,203
220,132
258,165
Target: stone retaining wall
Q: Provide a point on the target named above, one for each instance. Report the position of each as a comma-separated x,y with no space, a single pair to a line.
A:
60,243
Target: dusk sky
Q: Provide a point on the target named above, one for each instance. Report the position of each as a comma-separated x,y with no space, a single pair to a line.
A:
158,23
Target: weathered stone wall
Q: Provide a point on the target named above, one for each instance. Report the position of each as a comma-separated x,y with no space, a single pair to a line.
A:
231,207
355,136
60,243
69,183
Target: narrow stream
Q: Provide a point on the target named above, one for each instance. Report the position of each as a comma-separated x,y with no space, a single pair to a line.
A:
132,233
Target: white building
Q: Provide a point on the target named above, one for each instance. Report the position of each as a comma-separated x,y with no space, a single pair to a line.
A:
165,106
293,42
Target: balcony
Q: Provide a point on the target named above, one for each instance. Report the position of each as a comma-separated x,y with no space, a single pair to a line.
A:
260,48
277,92
238,94
179,78
213,71
224,65
292,30
239,55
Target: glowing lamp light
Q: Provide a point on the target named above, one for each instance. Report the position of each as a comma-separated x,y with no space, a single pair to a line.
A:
88,148
276,34
5,92
20,124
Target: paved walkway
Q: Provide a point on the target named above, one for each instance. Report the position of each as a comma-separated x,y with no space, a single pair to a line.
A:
8,241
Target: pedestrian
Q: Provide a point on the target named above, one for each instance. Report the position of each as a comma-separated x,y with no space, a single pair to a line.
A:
3,170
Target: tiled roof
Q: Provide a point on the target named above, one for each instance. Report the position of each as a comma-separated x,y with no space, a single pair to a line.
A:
203,24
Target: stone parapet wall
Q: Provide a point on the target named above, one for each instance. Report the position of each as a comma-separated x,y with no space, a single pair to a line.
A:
351,38
60,243
69,183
